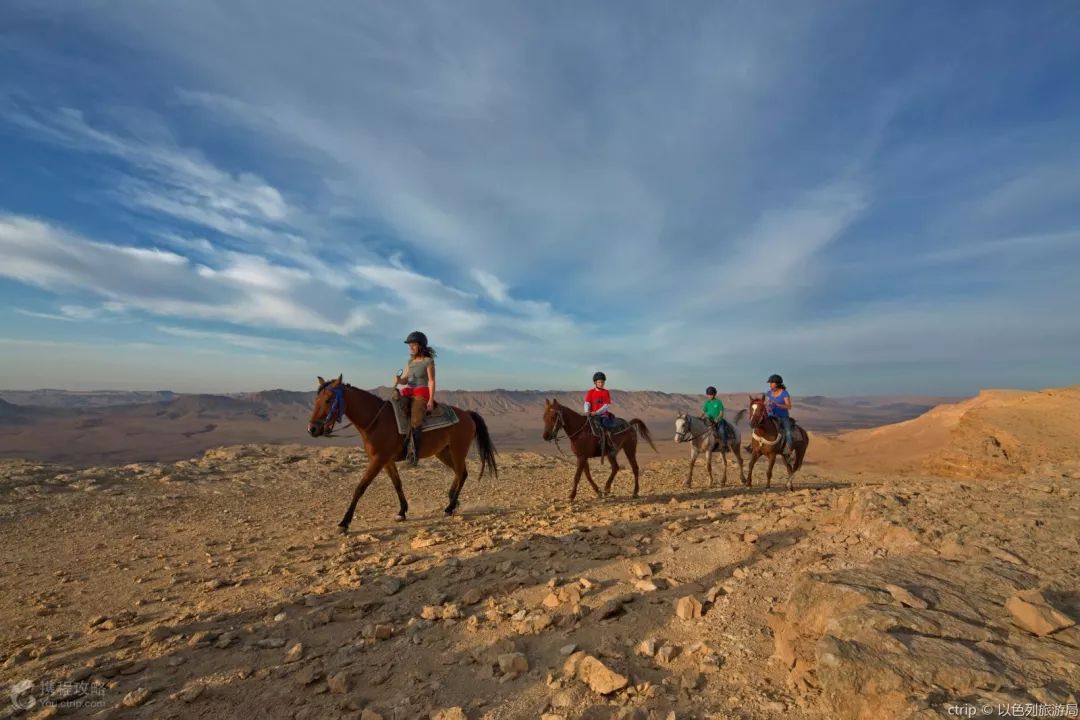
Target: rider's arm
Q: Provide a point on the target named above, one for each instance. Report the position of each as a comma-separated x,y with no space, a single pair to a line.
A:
787,402
431,383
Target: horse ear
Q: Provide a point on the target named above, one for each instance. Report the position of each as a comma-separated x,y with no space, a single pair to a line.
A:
321,381
339,377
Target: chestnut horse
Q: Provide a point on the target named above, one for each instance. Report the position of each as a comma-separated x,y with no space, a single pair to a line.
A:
374,418
767,438
586,445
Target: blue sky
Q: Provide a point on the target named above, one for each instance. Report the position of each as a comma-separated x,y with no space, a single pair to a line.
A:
868,197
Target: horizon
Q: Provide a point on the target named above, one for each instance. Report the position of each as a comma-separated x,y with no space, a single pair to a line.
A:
868,199
476,390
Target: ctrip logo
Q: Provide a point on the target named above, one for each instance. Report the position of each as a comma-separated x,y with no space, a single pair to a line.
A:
21,697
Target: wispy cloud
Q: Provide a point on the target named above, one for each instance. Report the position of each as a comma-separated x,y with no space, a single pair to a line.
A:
191,181
243,289
545,190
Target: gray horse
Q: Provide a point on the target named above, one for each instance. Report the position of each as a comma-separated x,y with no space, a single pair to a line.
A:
702,439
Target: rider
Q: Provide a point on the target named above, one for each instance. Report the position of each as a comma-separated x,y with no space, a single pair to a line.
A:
598,401
713,412
419,380
778,401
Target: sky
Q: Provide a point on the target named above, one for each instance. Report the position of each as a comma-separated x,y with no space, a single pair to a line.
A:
866,197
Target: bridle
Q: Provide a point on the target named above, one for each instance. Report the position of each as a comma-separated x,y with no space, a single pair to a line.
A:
560,425
337,409
686,435
759,423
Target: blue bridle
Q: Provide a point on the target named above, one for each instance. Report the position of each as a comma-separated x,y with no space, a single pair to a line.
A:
337,404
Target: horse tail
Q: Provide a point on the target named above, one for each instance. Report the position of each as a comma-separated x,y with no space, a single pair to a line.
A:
484,446
643,431
800,450
739,416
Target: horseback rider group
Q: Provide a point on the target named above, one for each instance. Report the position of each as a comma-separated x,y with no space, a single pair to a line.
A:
417,390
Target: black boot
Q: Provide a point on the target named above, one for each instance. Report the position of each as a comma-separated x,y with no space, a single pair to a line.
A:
414,456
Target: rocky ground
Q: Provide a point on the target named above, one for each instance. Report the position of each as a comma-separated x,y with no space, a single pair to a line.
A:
217,587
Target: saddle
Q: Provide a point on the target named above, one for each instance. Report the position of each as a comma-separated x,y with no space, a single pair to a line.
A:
724,433
441,416
606,435
797,434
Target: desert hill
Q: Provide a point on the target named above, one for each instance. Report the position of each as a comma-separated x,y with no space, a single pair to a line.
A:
998,433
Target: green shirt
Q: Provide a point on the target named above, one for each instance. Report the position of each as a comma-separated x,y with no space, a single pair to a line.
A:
714,409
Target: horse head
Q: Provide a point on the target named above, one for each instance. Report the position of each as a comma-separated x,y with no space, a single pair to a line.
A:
329,406
552,419
758,410
682,428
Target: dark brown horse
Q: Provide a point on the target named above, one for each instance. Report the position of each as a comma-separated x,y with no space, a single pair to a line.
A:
374,418
586,445
767,438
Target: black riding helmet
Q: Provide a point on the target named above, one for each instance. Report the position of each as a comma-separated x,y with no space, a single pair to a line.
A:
417,337
710,390
776,379
599,376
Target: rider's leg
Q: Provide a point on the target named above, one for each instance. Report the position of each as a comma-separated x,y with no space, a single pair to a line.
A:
789,444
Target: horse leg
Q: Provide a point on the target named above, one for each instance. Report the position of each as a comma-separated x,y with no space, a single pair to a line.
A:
738,457
754,455
461,474
374,466
631,457
611,475
708,464
791,468
768,470
395,477
588,476
577,478
723,460
693,459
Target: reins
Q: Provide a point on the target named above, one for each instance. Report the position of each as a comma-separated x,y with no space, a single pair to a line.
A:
340,409
561,425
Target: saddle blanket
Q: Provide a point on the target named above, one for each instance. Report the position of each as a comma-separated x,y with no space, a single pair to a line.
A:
442,416
797,435
618,426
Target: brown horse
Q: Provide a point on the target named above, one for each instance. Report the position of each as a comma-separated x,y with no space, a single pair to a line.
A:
586,445
374,418
767,438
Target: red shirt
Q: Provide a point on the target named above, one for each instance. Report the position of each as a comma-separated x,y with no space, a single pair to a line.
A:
597,398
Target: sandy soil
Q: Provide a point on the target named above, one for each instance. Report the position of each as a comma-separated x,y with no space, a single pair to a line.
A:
217,587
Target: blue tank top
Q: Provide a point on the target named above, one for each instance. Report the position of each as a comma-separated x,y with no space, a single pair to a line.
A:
775,401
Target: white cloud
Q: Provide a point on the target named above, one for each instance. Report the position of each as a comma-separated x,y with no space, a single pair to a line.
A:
247,290
492,286
173,180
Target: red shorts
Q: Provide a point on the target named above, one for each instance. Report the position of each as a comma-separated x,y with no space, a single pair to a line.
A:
424,392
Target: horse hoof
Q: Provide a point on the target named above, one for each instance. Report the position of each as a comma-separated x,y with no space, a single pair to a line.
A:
343,529
401,517
448,511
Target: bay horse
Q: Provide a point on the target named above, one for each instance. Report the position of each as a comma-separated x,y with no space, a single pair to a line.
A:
374,418
586,445
767,438
702,439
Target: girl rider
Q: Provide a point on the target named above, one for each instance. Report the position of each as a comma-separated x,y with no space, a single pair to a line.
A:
419,380
778,402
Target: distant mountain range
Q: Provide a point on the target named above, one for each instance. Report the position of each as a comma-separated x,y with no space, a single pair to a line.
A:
122,426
